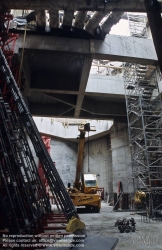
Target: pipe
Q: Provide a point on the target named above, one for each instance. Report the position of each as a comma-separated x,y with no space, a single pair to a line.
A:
112,19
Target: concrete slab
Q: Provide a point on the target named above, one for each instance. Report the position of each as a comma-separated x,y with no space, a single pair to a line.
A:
114,47
84,5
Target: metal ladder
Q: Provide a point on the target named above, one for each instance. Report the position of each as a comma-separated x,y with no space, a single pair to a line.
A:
56,185
19,174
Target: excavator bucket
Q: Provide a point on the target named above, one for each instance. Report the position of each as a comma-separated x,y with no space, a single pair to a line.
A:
75,224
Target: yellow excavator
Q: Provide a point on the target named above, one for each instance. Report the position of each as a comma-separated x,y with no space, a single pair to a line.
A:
140,199
84,190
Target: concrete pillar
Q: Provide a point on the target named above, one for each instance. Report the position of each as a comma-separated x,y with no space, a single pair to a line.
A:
68,17
54,19
153,9
112,19
80,19
41,18
121,159
93,23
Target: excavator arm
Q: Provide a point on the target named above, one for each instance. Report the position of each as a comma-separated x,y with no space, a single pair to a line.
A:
80,159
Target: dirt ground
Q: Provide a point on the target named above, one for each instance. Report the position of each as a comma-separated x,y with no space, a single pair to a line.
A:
148,234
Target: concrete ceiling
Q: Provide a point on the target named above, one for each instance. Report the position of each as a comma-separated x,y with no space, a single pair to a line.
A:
82,5
56,80
56,72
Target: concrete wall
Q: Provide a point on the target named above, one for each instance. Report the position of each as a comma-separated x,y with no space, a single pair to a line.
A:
121,159
56,127
64,155
109,157
111,85
100,162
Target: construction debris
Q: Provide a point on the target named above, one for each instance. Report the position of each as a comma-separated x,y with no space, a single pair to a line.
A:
126,225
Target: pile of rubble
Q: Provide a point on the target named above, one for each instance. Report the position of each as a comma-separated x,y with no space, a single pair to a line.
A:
126,225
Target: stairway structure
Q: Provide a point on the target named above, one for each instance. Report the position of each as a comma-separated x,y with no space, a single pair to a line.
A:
144,113
137,25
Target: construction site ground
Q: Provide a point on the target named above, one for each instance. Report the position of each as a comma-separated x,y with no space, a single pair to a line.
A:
148,234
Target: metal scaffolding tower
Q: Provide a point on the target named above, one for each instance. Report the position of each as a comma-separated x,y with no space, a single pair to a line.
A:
144,113
137,25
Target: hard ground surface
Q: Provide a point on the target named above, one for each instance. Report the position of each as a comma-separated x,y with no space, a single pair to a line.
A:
148,235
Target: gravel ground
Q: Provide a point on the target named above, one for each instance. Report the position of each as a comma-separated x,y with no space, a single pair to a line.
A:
148,235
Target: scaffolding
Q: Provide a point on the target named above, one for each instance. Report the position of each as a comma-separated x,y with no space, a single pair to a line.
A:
144,113
137,25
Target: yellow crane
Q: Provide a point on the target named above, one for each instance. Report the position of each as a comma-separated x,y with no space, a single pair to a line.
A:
84,191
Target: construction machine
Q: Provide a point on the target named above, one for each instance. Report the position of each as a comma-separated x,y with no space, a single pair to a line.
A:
84,190
24,205
140,199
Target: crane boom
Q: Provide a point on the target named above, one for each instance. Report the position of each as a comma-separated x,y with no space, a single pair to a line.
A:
80,158
84,192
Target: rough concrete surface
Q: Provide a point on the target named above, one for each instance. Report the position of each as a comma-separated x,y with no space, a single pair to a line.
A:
114,47
148,235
